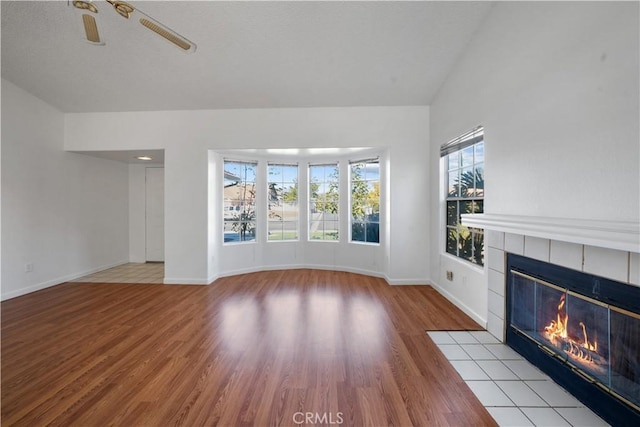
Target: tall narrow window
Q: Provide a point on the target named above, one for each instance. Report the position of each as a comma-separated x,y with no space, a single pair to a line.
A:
239,201
283,202
365,201
464,161
324,195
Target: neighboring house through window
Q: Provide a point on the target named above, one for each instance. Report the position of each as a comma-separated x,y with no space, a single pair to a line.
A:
239,201
279,194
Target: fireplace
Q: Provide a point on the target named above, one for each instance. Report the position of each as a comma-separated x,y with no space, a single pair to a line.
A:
582,330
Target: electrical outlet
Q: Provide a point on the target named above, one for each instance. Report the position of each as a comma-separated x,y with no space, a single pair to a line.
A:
28,267
449,275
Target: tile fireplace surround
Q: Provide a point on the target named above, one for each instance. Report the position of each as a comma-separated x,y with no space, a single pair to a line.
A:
602,248
607,249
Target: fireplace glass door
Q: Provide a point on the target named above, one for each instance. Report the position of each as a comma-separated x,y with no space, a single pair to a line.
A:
600,342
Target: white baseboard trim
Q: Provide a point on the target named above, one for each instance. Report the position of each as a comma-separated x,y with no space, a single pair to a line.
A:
258,268
348,270
57,281
301,266
462,306
406,282
185,281
390,281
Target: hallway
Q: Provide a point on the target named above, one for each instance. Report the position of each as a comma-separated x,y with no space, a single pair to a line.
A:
150,272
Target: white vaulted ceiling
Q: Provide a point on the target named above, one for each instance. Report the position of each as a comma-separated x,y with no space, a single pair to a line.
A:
249,54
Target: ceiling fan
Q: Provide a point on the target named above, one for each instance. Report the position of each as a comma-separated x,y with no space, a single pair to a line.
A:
89,13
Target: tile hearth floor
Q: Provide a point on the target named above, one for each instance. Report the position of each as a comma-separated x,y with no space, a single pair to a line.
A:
149,272
514,391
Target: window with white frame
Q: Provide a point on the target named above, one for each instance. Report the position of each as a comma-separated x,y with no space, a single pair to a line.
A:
239,201
282,205
464,176
324,197
365,200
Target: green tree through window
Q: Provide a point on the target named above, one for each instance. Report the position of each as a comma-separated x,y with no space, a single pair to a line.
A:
324,197
239,201
283,202
365,201
465,195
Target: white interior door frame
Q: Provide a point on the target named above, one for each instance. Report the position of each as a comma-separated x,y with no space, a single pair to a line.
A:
154,214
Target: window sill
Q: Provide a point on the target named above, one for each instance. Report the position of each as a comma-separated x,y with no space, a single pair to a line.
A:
464,262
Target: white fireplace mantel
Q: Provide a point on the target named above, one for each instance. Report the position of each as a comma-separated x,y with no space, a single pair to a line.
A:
621,235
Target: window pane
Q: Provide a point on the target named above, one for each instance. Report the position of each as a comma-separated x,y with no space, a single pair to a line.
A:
479,180
275,194
358,232
465,243
276,213
478,247
275,230
285,230
290,230
466,207
467,156
239,231
236,172
452,241
372,171
467,182
325,230
479,152
452,213
315,232
453,187
331,230
453,160
373,232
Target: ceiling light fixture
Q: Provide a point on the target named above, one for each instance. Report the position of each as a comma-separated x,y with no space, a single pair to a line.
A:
145,158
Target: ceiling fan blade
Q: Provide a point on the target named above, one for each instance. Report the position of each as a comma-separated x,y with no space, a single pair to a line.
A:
126,10
168,34
91,29
89,13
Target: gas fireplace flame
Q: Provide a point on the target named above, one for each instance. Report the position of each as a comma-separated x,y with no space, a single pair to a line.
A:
556,332
586,344
558,328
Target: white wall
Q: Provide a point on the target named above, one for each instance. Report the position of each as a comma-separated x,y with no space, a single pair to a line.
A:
188,136
63,213
556,87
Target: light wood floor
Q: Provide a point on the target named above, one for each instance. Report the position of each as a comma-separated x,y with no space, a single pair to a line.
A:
248,350
132,272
